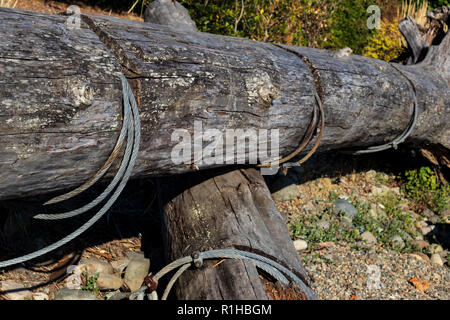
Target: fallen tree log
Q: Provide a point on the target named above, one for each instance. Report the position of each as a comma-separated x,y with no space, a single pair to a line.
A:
60,96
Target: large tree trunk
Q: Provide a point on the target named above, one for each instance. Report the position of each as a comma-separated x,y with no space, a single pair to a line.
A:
60,95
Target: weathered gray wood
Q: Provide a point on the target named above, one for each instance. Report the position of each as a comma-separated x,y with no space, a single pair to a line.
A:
60,96
218,210
415,39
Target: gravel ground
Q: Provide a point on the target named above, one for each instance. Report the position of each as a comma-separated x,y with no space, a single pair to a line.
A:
343,273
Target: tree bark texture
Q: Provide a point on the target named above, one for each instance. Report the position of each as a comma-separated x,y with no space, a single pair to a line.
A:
60,95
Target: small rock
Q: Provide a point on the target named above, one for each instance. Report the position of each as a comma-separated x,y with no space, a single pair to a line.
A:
107,281
418,237
431,216
119,296
74,281
435,248
94,266
11,290
427,230
420,244
135,255
346,207
436,259
368,237
395,191
300,245
376,212
40,296
120,265
406,236
346,221
136,271
420,255
327,244
70,294
421,224
379,191
332,257
286,189
371,174
323,224
397,242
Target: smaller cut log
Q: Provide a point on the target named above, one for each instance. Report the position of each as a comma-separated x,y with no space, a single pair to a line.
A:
225,210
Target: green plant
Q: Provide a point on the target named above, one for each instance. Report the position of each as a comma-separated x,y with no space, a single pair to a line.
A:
438,3
348,26
385,43
393,222
425,190
91,283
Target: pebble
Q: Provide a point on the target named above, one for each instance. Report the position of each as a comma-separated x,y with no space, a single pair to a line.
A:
119,296
71,294
108,281
371,174
397,242
435,248
436,259
135,255
136,271
327,244
368,237
300,245
346,221
20,294
395,190
379,191
421,256
40,296
94,266
434,218
376,211
74,281
120,265
346,207
427,230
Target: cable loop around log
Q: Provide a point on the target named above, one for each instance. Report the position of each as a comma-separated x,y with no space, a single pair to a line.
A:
318,106
405,134
132,148
276,270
